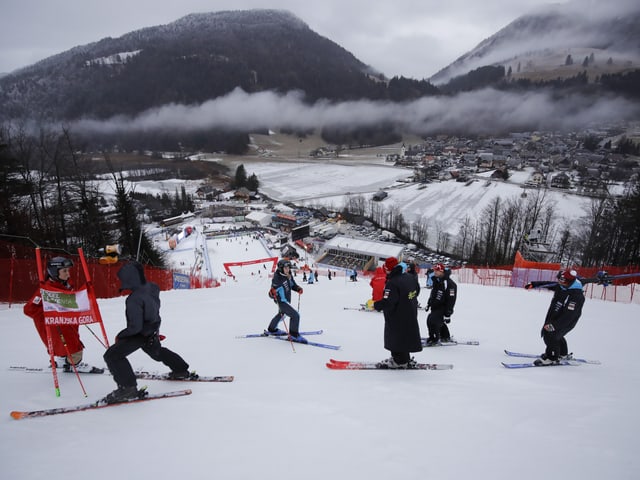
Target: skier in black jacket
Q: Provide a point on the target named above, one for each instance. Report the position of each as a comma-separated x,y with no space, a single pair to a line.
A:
562,316
400,306
444,293
280,292
143,325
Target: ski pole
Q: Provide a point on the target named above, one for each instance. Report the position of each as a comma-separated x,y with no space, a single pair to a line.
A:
288,335
56,384
97,338
70,360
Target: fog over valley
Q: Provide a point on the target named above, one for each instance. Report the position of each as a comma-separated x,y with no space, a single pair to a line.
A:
479,112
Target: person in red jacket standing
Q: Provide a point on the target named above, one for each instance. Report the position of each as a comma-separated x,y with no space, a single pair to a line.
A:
377,284
58,273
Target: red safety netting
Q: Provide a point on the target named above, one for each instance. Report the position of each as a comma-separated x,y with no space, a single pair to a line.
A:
19,273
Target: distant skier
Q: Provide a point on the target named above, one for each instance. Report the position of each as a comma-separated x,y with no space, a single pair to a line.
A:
443,297
563,315
281,287
142,309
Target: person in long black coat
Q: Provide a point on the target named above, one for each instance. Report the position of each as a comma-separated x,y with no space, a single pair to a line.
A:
399,304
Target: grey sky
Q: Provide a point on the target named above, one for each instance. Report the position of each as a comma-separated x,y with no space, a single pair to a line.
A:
414,38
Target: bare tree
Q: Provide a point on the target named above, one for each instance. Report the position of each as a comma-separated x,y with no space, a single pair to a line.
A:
420,231
356,204
596,232
464,239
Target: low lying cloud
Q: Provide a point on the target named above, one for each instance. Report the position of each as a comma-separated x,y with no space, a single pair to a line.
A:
478,112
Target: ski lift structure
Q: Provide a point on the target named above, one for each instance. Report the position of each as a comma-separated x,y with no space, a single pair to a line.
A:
535,247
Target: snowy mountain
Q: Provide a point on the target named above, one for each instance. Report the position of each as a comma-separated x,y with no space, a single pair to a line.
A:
194,59
536,45
286,415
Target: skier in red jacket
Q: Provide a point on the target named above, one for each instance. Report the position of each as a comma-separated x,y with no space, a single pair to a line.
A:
377,284
58,273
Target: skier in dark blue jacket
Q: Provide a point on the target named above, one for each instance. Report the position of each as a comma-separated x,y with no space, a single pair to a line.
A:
281,286
562,316
143,325
441,301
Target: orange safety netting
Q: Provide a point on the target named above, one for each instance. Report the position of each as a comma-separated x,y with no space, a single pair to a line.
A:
19,273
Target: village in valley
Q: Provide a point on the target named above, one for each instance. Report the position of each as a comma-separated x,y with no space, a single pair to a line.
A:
564,161
526,162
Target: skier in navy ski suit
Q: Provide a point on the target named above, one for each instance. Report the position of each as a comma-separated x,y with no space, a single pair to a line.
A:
441,302
280,292
563,315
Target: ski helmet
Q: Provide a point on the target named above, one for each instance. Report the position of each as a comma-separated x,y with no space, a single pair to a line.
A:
567,276
283,263
56,264
390,263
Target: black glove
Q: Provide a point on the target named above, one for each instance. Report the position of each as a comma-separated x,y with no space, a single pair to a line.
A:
603,278
447,319
151,339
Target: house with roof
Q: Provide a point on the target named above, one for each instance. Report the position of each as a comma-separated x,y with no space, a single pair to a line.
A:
561,180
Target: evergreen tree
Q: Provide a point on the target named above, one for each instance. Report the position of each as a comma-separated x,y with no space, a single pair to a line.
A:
133,239
240,179
626,250
253,183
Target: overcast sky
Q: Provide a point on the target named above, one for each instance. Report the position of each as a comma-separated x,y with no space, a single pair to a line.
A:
414,38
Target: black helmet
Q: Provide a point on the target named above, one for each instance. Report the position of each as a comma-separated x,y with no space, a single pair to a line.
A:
56,264
283,263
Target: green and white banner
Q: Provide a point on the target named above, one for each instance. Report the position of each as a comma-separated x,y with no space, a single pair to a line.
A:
66,308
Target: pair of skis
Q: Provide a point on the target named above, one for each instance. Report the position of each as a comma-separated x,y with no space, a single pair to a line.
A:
451,343
351,365
287,339
140,374
571,361
143,396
